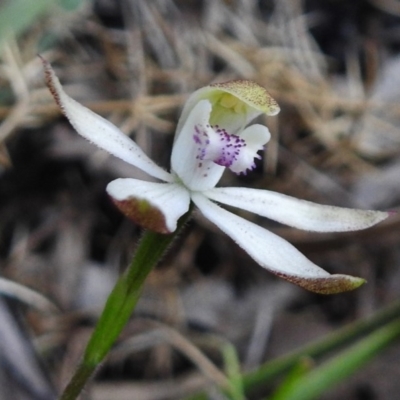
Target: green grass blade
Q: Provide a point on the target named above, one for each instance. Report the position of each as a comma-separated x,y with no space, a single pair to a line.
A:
17,15
319,348
232,370
295,374
318,381
273,369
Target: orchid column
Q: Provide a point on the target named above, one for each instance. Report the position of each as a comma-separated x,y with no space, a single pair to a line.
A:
213,133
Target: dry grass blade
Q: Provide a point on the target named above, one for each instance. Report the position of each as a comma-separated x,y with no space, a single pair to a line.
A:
164,334
27,296
177,389
19,362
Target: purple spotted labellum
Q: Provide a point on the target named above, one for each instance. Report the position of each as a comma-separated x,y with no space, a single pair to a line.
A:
215,133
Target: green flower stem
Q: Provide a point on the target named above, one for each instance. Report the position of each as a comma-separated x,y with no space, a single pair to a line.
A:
120,305
78,381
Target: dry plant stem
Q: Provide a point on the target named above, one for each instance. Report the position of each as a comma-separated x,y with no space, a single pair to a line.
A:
119,306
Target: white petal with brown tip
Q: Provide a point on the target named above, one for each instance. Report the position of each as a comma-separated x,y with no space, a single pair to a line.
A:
273,252
152,205
101,132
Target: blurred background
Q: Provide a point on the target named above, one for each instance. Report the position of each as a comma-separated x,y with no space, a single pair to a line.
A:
334,68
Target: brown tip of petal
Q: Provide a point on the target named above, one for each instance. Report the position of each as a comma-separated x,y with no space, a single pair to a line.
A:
250,93
143,213
50,79
332,284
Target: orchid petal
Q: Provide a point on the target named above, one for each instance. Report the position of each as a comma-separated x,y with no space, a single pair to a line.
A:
273,252
235,104
101,132
196,174
255,136
152,205
297,213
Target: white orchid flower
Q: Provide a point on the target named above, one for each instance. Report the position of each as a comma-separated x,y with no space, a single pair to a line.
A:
213,133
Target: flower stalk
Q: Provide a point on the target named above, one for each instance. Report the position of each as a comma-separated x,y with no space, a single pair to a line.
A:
120,305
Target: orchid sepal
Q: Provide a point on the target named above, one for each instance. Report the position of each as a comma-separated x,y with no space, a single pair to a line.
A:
274,253
152,205
296,213
101,132
334,284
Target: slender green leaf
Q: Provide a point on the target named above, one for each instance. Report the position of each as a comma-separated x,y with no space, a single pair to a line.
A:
232,369
71,5
319,348
318,381
297,372
267,372
17,15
